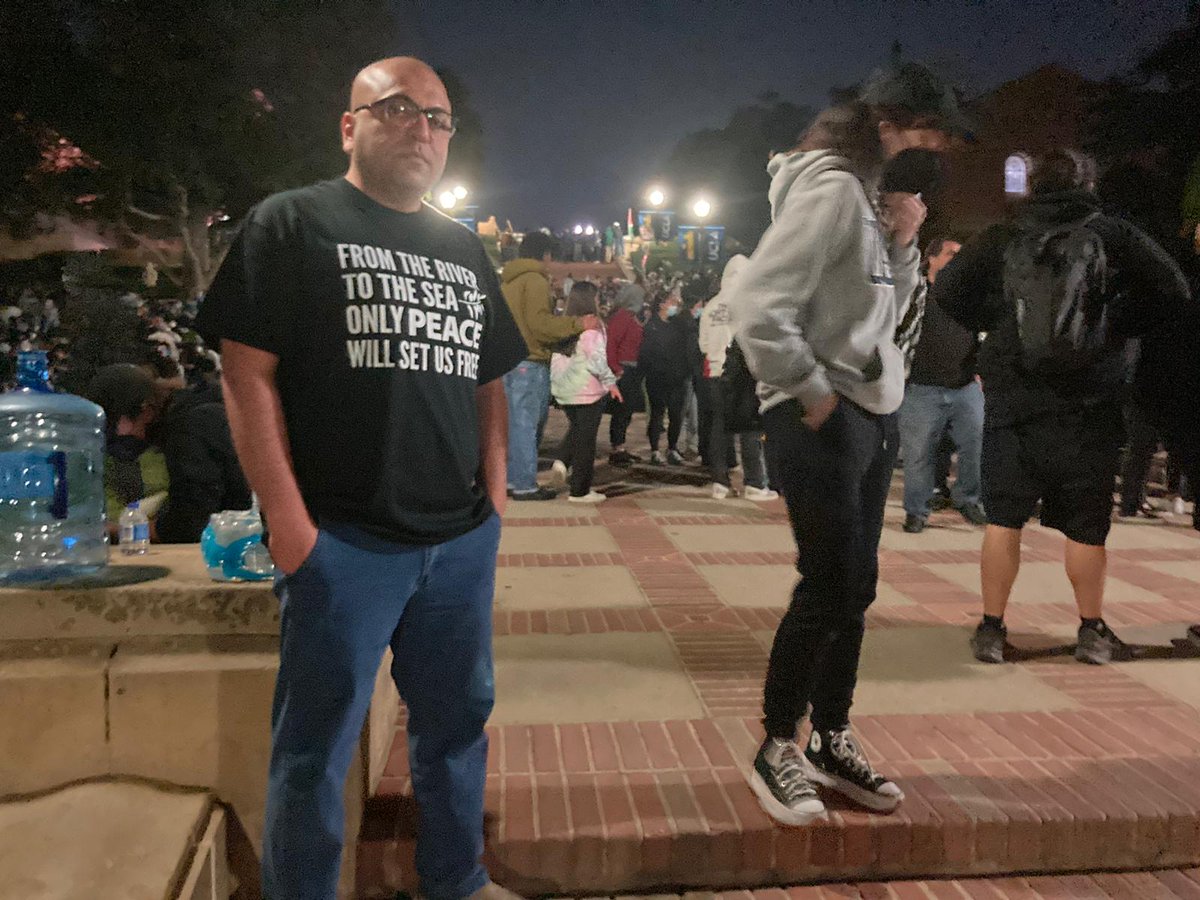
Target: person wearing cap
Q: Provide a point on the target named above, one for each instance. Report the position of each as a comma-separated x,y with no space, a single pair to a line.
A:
165,441
815,311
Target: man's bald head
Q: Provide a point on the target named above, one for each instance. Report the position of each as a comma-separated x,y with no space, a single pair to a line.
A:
395,160
399,74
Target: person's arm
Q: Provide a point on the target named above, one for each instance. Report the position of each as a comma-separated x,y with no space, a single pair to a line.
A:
971,288
595,351
493,441
777,284
1152,290
543,325
260,436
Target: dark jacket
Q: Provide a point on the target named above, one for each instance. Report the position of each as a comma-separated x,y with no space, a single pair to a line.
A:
945,354
1146,291
666,353
204,473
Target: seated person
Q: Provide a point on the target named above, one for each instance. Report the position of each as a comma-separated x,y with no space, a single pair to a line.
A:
162,438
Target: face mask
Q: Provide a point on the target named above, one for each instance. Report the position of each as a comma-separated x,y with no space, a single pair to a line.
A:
913,171
697,312
672,312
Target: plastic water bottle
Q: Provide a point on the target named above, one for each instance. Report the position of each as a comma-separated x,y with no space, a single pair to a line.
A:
232,546
51,480
135,530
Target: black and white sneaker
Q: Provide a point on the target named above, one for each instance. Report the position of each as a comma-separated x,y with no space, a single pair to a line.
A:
1098,645
838,762
782,781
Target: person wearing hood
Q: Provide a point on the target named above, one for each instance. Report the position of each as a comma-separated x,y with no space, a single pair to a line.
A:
624,344
166,440
1052,421
815,311
716,334
526,287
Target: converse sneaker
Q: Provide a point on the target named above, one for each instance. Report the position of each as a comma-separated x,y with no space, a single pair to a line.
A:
987,643
782,782
558,473
837,762
719,491
760,495
1099,645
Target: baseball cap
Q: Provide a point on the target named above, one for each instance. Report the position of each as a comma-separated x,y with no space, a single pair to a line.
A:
916,88
120,389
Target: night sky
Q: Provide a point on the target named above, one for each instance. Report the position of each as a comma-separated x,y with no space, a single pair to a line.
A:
582,101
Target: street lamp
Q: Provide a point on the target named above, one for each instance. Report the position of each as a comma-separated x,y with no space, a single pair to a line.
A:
448,200
460,192
589,231
701,208
656,197
578,229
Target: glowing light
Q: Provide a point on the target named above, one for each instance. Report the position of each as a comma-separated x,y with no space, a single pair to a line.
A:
589,230
578,229
447,199
702,208
460,192
656,197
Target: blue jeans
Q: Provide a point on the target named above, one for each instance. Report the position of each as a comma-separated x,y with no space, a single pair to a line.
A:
355,595
927,412
528,390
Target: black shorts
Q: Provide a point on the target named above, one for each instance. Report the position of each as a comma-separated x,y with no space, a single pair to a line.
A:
1069,462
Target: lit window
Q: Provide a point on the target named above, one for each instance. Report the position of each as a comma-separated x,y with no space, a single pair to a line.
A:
1016,176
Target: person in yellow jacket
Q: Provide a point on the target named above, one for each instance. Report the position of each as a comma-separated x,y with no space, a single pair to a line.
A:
526,287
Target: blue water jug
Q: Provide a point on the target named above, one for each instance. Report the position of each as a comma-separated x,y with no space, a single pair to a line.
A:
51,480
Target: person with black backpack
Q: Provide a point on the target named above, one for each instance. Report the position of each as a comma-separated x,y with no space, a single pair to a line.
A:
1059,292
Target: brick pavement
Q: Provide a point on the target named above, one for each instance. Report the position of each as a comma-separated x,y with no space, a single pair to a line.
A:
631,641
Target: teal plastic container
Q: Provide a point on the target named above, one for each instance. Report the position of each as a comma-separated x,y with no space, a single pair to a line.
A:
52,520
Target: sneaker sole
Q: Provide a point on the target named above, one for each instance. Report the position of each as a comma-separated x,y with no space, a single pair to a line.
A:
776,810
848,789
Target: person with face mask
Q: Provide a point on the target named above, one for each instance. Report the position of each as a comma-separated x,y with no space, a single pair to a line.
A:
815,311
665,360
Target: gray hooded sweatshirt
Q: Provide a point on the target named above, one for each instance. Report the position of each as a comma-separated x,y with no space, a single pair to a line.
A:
815,309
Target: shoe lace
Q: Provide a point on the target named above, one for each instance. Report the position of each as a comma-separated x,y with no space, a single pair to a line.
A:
847,750
791,774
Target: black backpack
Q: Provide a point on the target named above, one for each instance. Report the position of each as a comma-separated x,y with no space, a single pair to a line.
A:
1057,281
740,393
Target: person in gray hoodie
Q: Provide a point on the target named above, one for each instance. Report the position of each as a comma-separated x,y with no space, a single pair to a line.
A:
815,311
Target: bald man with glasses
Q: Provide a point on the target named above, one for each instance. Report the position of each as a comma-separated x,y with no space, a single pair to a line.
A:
364,336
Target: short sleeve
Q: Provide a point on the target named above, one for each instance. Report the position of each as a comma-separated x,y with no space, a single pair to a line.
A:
502,347
253,295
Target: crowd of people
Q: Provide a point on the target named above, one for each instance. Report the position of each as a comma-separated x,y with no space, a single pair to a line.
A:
385,439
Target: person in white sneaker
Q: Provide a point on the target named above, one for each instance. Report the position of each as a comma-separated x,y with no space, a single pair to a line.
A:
581,382
716,333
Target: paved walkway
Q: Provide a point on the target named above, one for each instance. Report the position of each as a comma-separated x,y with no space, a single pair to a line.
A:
631,642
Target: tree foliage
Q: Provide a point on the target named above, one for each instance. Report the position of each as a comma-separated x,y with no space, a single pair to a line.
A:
730,162
192,110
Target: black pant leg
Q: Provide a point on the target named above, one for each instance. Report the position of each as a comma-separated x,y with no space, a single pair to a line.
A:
822,475
630,384
585,422
704,416
656,394
719,443
676,396
1143,444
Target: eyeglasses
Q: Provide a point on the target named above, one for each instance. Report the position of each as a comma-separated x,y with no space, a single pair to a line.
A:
404,111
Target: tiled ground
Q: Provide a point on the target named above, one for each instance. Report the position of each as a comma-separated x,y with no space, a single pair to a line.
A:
1178,884
631,641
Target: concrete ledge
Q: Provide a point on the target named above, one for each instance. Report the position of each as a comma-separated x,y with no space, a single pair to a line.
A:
124,839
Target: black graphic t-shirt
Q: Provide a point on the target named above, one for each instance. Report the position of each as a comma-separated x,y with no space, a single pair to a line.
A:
385,323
